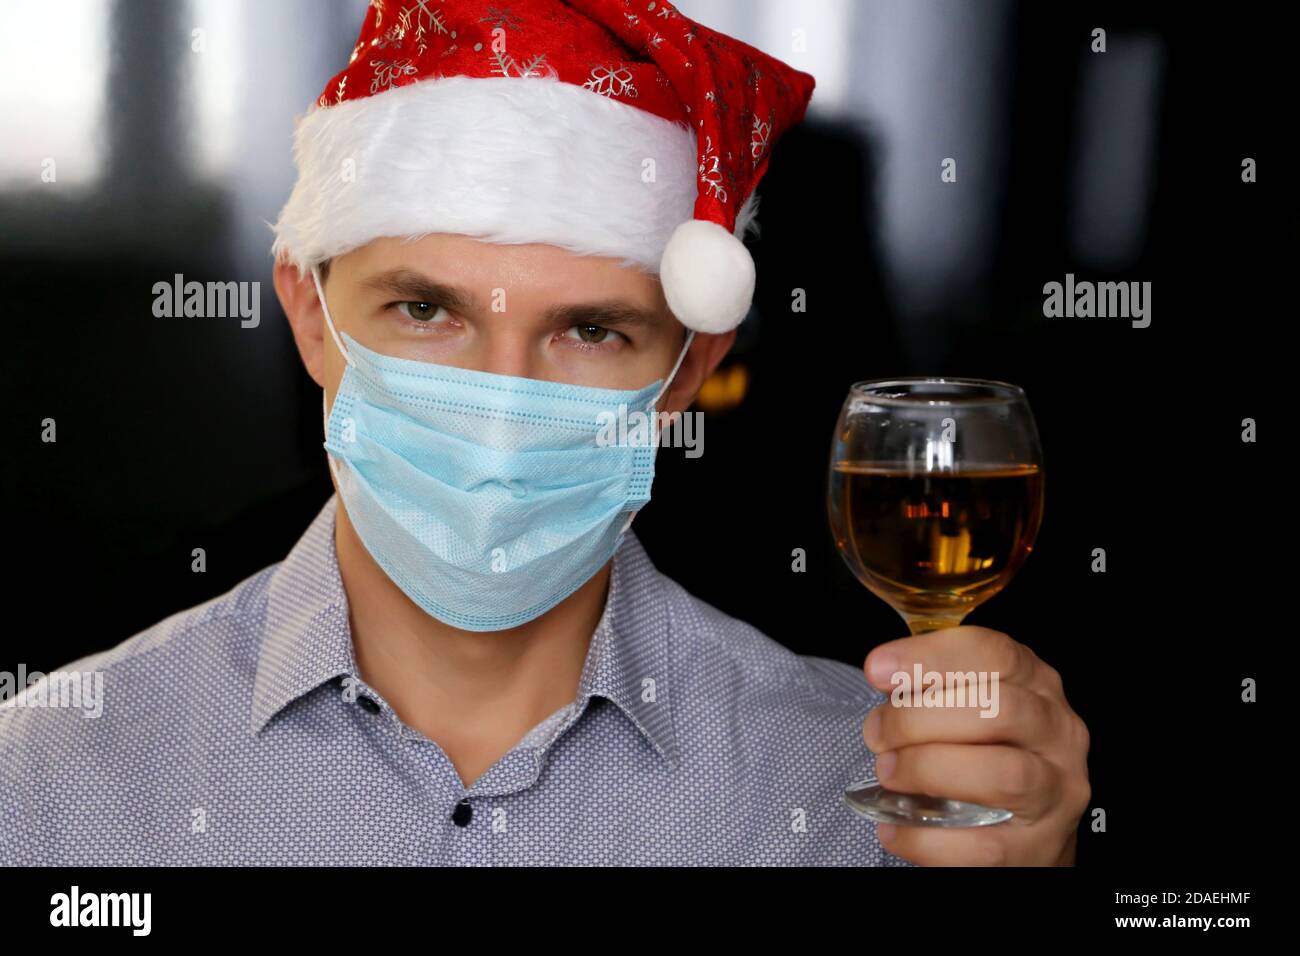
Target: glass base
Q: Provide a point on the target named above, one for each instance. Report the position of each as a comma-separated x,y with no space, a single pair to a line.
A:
873,801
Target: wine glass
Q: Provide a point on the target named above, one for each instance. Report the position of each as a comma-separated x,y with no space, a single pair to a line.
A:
936,496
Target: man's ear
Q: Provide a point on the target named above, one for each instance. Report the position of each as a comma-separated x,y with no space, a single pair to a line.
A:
301,305
705,354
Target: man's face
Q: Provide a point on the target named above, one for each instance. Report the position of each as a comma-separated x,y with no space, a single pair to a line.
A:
533,311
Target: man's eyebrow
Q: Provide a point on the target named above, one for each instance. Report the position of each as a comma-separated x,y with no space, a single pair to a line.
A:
411,286
605,314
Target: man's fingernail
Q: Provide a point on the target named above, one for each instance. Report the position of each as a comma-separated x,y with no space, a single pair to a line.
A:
883,667
885,765
886,832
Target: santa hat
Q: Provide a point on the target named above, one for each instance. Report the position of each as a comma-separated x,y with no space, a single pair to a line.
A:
615,128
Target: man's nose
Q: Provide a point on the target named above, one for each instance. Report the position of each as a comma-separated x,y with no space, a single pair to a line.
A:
506,354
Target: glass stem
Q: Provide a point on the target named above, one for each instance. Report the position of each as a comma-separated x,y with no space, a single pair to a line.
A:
924,625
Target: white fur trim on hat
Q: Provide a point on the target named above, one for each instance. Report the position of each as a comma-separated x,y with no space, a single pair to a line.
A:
504,159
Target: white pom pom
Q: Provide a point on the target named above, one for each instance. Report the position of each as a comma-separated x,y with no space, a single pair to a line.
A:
708,277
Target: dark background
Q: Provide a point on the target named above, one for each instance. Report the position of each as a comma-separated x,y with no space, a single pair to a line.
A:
183,433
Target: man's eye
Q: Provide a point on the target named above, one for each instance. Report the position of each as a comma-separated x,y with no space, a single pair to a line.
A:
592,334
426,312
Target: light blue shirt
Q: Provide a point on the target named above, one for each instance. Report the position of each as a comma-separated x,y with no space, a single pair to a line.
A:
240,732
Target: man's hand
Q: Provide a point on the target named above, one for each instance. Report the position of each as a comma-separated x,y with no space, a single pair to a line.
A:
1031,758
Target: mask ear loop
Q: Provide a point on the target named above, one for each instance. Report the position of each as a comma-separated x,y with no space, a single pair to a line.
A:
654,415
690,337
324,405
329,321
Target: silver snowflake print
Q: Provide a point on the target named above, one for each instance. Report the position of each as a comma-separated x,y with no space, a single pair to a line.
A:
608,81
501,18
759,137
424,20
394,36
503,64
424,17
386,72
711,171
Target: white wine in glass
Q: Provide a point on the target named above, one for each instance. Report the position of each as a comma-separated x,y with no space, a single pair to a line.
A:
936,496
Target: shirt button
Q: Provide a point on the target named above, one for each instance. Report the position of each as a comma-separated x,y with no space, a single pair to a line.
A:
369,704
462,814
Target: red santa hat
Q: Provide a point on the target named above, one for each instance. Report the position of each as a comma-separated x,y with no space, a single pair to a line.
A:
615,128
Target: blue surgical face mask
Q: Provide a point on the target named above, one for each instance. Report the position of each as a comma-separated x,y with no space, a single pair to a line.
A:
488,499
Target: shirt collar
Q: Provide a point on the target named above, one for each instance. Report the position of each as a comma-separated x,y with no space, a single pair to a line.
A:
628,660
309,639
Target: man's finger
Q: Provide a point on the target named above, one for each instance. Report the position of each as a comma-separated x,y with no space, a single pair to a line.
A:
953,846
953,649
992,775
1018,717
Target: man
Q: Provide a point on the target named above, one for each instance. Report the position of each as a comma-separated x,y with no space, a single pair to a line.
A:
512,226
